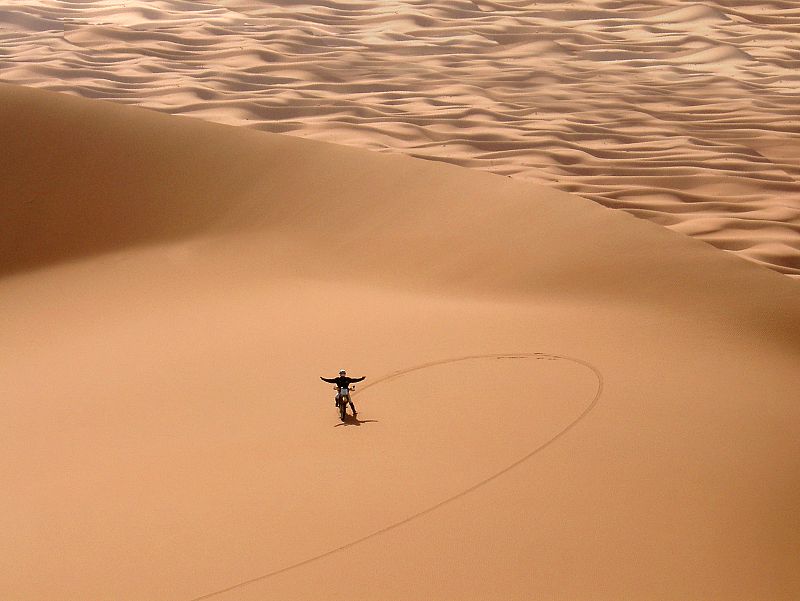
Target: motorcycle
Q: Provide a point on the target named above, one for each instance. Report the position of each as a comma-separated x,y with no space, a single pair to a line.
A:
342,398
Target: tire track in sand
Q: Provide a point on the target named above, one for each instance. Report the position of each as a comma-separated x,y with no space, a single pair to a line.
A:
589,407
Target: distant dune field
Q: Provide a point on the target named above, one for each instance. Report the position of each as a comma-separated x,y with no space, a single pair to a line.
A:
684,113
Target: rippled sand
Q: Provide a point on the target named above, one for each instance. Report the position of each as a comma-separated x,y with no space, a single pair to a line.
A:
678,112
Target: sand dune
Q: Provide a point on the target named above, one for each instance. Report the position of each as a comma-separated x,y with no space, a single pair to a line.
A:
678,112
562,401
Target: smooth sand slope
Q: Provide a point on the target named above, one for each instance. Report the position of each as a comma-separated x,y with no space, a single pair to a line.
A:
680,112
563,401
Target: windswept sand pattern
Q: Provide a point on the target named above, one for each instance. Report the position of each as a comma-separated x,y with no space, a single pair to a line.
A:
683,113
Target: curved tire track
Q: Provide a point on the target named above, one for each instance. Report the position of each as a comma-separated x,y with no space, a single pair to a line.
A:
590,406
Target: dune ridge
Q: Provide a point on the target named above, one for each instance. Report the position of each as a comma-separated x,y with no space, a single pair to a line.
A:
682,113
174,288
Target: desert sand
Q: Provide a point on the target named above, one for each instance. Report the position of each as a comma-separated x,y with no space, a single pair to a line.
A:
563,401
683,113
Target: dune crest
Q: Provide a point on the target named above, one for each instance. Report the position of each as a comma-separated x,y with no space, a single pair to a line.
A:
562,401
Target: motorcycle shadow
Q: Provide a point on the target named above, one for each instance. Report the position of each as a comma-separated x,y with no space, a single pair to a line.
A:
349,420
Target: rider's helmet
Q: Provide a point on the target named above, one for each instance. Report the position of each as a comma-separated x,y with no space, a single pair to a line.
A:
342,372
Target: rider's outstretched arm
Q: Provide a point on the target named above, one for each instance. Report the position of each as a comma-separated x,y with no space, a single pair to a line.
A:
331,380
359,379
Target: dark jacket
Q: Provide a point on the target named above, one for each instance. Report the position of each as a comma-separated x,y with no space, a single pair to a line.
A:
342,381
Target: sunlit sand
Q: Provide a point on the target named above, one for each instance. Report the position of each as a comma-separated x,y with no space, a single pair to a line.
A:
563,401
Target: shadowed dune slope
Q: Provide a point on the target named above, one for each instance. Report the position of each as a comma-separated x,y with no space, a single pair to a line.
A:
563,401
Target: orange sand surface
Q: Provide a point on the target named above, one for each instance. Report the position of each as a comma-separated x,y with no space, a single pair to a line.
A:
683,113
562,401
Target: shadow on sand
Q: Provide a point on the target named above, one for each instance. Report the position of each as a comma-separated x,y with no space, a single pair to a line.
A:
349,420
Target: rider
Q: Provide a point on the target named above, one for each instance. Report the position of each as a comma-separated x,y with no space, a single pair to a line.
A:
343,382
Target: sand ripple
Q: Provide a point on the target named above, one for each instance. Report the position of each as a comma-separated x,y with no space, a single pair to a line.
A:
682,113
